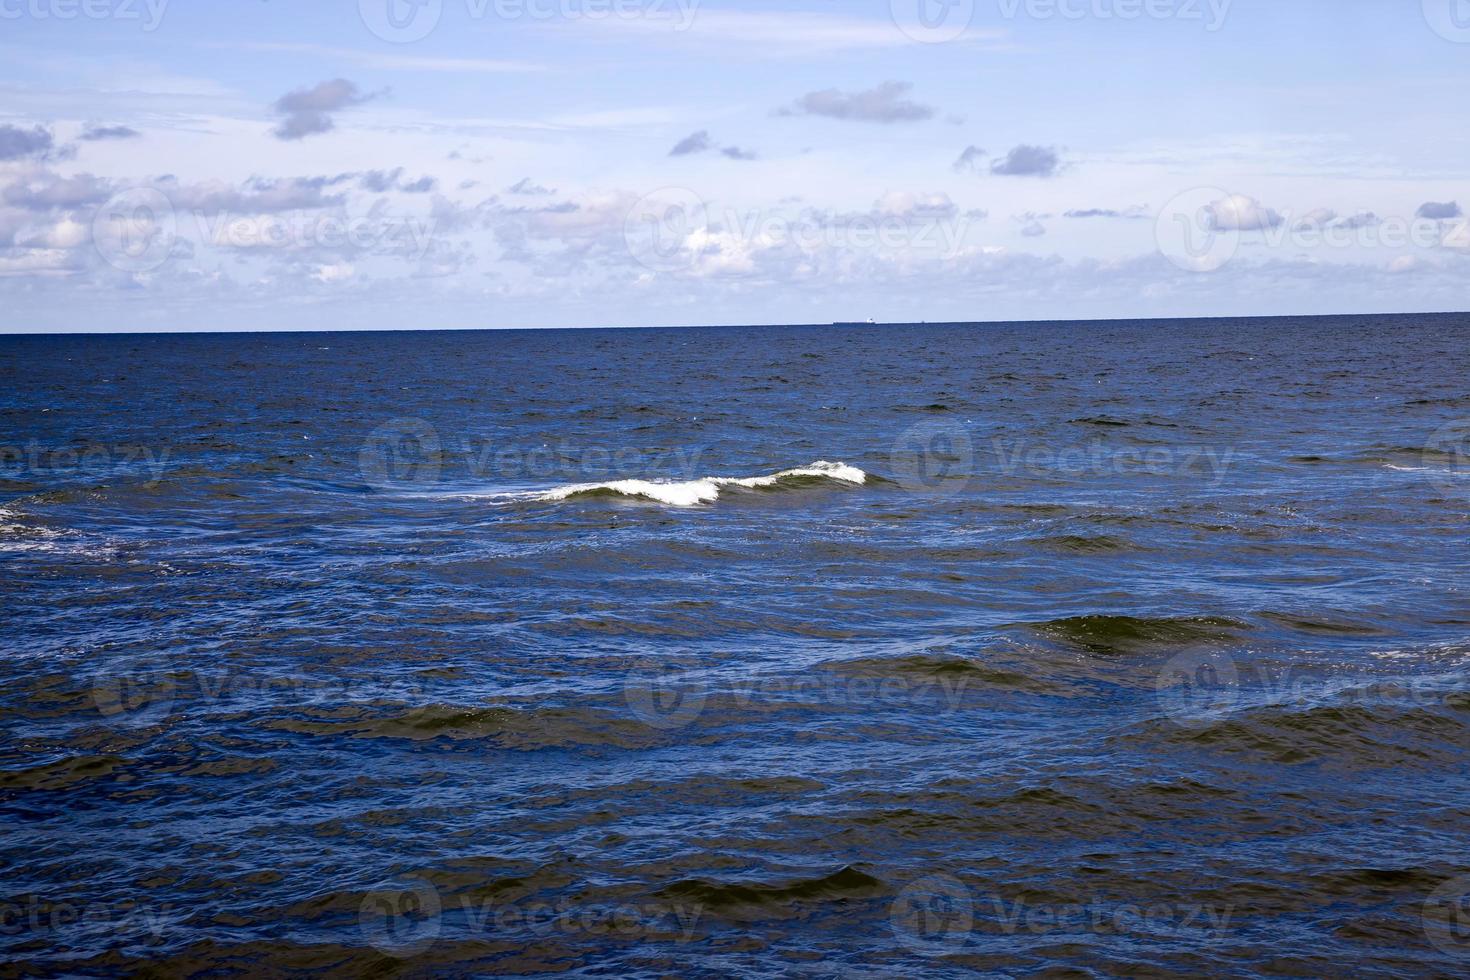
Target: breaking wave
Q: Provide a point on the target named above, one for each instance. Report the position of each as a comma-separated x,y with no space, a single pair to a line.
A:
19,534
690,493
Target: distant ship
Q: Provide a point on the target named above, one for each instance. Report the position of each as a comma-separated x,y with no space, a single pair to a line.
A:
869,322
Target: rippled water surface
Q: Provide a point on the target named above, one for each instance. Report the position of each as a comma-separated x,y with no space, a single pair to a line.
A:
1118,648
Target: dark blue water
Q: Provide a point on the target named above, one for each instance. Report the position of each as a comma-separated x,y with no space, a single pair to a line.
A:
1116,648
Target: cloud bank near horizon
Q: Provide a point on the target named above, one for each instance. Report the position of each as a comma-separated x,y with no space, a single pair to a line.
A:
165,193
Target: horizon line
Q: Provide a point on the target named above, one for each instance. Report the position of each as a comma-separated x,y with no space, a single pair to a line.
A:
845,324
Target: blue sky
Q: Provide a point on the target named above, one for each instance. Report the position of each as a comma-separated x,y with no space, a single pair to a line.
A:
516,163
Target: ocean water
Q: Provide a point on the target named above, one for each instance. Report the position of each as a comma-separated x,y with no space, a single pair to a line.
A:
1125,648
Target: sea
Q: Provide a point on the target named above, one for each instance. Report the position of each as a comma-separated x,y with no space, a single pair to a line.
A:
1122,648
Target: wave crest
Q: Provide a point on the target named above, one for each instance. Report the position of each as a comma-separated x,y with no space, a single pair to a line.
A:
690,493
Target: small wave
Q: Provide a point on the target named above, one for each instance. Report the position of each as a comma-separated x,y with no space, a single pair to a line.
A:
1082,544
1323,625
17,537
729,897
1438,470
26,537
61,773
510,728
1119,635
1392,731
1413,458
959,672
707,489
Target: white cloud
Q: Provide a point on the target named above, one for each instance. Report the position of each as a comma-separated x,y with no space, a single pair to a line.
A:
64,233
1241,213
336,272
37,262
908,204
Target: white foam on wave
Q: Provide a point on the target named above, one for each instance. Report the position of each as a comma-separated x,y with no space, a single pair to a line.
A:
16,537
690,493
9,528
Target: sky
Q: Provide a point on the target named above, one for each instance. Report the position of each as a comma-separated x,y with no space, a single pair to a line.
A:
398,164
